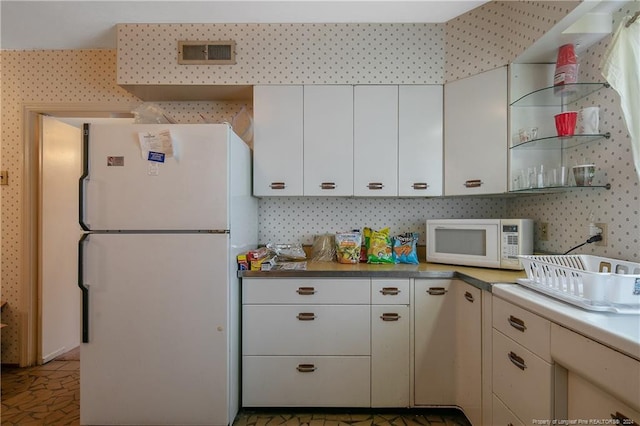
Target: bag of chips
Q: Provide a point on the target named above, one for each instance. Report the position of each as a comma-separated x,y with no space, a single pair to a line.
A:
348,247
405,248
378,246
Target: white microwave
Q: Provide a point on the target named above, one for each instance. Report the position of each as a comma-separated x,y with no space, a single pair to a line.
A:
489,243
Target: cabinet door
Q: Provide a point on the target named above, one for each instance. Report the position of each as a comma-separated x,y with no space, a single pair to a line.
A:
588,401
434,360
468,352
277,142
328,140
475,142
420,141
390,358
375,141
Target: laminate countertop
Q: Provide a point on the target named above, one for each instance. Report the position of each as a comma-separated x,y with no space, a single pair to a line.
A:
482,278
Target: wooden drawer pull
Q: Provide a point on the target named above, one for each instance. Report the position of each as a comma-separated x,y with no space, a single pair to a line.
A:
390,316
469,296
328,185
306,291
436,291
306,368
306,316
277,185
517,361
473,183
390,291
517,323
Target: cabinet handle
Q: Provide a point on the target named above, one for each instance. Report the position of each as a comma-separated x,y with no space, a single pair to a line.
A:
473,183
390,316
517,361
328,185
622,419
306,316
436,291
375,185
306,291
277,185
306,368
420,185
390,291
517,323
469,296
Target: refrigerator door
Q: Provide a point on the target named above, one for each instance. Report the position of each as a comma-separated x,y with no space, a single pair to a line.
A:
158,333
126,191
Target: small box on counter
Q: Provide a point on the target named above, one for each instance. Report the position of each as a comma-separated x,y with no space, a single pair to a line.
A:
243,264
263,264
257,254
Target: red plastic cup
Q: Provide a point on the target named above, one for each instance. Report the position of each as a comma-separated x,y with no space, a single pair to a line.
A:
566,123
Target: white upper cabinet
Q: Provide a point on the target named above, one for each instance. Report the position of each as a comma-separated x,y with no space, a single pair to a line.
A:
278,140
375,141
475,129
328,140
420,141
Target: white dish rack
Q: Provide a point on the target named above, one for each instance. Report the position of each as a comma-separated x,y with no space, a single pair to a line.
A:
591,282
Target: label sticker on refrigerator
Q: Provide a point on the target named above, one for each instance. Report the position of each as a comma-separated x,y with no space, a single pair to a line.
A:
154,169
158,157
160,142
115,161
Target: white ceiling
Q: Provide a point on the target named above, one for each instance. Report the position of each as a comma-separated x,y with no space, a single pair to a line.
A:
89,24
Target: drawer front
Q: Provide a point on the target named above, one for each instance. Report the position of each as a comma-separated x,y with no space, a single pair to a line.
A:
527,391
306,330
307,291
502,416
528,329
283,381
390,292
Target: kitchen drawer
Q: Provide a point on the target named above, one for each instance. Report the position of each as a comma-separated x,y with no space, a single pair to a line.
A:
390,292
528,329
338,291
502,416
527,391
613,372
275,381
306,330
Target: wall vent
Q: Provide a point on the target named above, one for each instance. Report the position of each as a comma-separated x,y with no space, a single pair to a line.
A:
206,52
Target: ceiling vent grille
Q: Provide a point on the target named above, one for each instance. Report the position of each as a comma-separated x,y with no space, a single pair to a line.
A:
206,52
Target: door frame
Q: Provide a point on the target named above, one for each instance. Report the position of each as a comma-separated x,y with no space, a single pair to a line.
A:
30,330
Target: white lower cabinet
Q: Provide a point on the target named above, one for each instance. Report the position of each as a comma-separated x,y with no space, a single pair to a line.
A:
502,416
602,384
448,346
390,343
326,342
522,371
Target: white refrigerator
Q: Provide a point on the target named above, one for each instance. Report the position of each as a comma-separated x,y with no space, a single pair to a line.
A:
165,209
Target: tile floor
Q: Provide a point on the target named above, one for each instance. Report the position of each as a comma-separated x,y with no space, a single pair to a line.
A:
50,395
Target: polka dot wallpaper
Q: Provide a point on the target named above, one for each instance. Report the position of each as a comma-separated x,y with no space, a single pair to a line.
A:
286,54
482,39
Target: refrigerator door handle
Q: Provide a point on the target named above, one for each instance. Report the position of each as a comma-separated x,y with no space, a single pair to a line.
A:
85,174
85,290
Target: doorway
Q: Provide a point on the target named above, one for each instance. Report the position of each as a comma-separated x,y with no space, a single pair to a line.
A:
53,153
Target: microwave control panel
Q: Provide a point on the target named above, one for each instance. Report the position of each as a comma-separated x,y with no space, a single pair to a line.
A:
510,246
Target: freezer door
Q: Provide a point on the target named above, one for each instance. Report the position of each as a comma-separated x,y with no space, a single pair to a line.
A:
158,349
126,191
